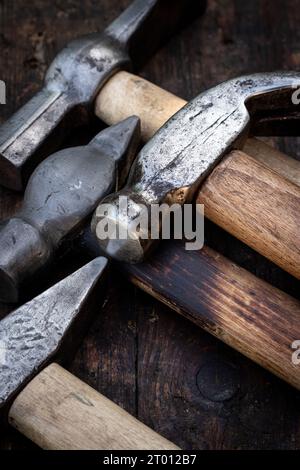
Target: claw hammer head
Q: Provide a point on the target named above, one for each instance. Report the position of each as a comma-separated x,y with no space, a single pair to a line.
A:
173,164
76,76
49,327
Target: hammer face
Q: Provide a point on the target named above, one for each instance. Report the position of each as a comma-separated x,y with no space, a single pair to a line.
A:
47,327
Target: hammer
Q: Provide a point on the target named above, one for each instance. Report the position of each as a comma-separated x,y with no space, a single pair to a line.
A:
72,84
62,193
238,308
60,196
75,77
45,402
59,200
242,194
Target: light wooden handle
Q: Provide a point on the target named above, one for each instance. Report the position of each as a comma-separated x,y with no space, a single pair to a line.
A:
126,94
58,411
267,199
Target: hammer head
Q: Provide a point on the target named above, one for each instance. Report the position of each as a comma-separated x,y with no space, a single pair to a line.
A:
173,164
61,194
48,328
76,76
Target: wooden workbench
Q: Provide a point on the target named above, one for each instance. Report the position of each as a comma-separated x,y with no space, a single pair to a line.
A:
171,375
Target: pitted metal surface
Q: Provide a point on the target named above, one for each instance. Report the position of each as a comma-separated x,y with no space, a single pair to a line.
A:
172,165
36,332
187,148
75,77
61,194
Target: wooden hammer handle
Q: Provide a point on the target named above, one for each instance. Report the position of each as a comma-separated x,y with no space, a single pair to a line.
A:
232,304
257,206
58,411
273,202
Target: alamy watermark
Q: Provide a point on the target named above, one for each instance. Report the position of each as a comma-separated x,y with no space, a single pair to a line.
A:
296,94
156,222
2,92
296,354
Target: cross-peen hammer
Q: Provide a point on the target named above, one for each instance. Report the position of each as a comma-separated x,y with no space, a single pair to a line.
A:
48,404
209,290
220,319
258,205
76,76
71,85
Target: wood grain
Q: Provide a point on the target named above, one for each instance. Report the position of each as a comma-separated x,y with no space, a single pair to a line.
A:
175,377
250,202
126,94
58,411
282,164
246,313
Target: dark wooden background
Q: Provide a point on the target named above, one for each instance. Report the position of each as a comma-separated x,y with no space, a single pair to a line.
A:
171,375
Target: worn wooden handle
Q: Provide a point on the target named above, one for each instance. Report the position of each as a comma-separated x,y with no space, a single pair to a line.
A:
252,203
58,411
276,217
282,164
238,308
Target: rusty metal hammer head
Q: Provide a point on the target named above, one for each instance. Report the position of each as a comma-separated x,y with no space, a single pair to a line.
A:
61,194
49,327
76,76
170,168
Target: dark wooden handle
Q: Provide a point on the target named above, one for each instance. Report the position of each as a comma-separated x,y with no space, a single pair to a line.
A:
238,308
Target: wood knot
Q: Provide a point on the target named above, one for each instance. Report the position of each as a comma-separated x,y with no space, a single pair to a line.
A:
218,380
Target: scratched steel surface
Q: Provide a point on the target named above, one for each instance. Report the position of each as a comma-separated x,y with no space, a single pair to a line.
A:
173,164
73,79
60,196
32,335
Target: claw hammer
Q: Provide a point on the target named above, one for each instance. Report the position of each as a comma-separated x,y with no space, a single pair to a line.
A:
254,196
